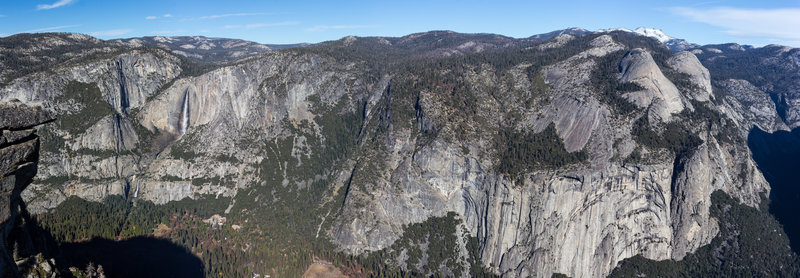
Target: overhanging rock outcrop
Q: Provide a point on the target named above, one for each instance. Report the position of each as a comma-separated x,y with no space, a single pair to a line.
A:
19,155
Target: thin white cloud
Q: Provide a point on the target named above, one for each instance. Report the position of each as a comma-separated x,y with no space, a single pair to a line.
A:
152,17
110,33
771,24
261,25
2,15
59,3
229,15
321,28
48,29
168,32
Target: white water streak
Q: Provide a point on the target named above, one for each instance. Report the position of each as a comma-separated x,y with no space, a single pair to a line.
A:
185,114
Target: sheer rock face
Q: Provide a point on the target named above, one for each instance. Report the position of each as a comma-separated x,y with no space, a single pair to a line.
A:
792,102
110,157
686,62
113,132
638,66
169,136
746,104
771,69
19,153
126,81
578,220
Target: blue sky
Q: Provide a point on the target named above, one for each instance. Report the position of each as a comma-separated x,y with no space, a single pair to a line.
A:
746,22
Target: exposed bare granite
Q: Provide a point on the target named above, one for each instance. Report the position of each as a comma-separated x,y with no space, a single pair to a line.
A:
19,155
172,136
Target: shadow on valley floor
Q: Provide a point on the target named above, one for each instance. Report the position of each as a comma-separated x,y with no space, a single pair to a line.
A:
778,157
135,257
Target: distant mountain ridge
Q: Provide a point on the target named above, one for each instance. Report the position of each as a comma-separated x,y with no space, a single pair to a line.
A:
205,49
463,155
568,31
674,44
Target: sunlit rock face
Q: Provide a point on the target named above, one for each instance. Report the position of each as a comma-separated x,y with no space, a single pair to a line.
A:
425,143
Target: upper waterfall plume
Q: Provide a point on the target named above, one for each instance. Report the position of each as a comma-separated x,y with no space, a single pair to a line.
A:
185,113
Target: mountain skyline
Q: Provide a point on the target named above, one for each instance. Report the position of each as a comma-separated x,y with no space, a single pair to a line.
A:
712,22
435,153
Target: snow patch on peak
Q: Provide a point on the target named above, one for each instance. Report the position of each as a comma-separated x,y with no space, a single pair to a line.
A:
614,30
579,29
654,33
648,32
672,43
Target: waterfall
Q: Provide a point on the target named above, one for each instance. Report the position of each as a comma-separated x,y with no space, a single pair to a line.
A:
185,113
135,193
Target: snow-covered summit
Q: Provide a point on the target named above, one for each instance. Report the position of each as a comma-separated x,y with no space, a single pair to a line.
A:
649,32
654,33
672,43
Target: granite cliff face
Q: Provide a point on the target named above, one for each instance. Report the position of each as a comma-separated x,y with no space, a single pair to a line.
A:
579,220
399,130
771,69
19,154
